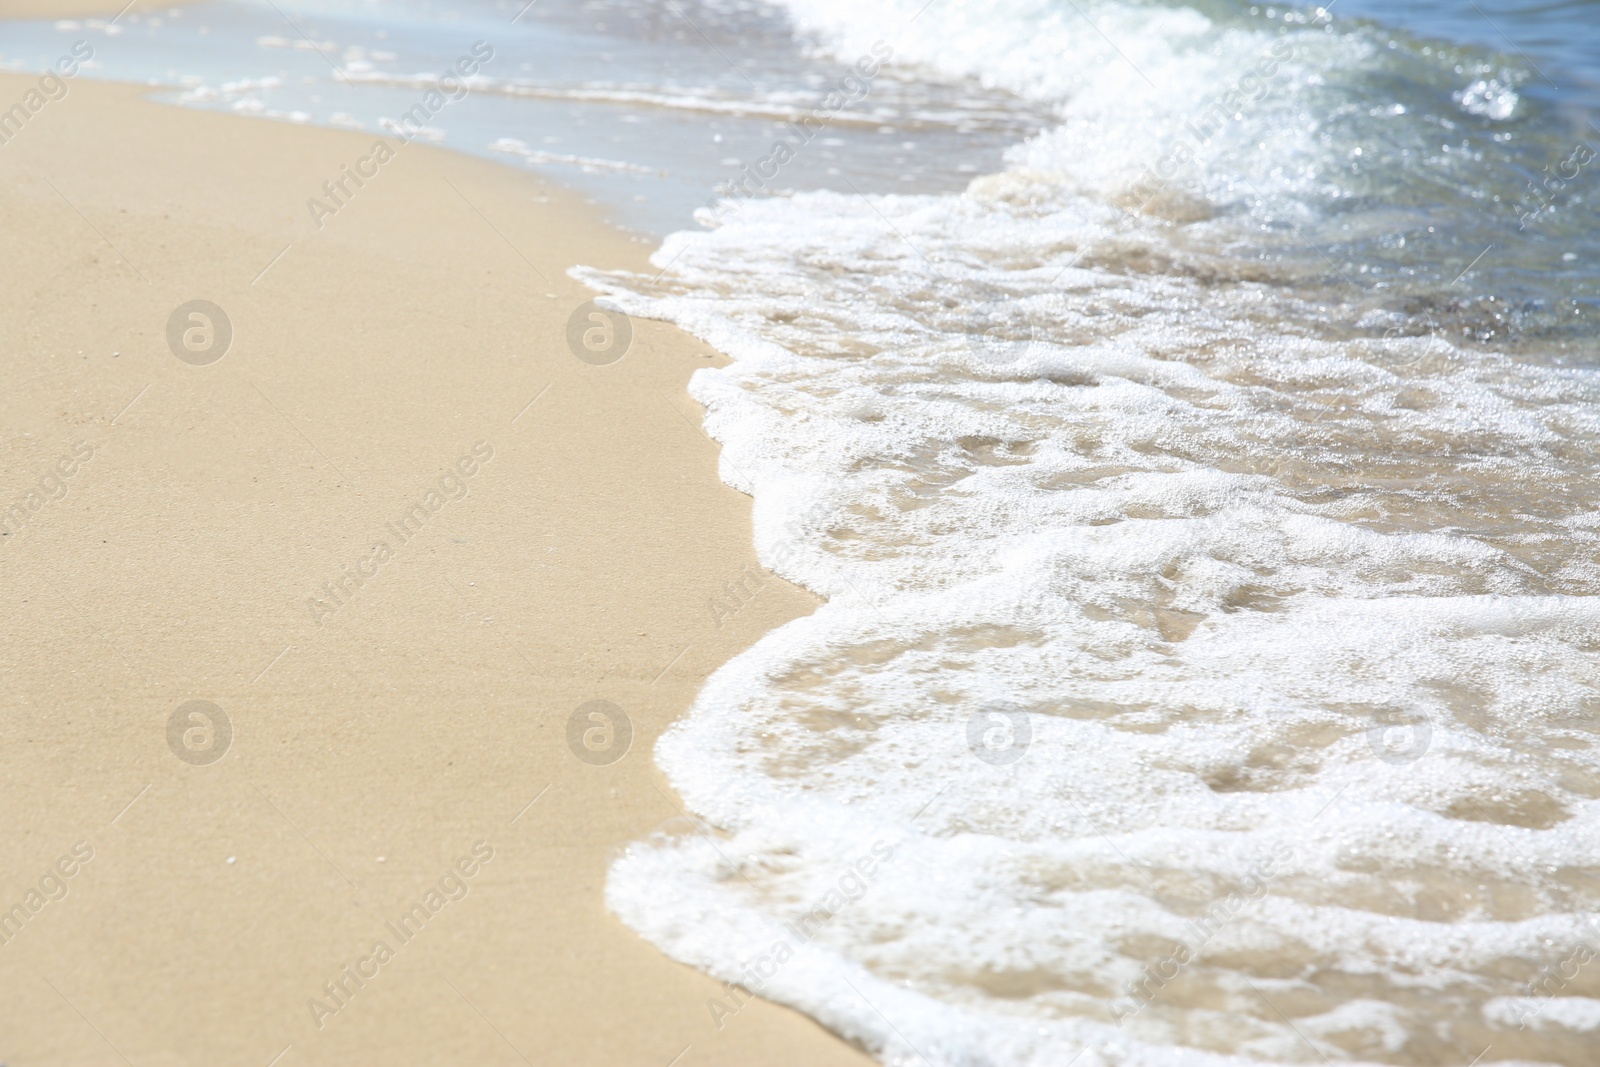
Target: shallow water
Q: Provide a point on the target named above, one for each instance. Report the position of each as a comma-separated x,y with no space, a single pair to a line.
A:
649,112
1205,508
1189,414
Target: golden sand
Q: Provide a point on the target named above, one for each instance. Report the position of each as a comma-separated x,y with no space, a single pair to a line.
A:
397,742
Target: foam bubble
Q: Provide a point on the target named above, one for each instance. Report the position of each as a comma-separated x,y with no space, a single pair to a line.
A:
1216,661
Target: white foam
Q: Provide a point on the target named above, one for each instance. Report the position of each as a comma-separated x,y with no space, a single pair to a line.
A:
1300,629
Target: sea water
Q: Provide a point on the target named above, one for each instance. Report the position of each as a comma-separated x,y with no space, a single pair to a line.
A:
1204,503
1189,416
651,110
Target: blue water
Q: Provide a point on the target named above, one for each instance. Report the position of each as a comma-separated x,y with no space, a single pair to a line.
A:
1561,40
651,165
934,137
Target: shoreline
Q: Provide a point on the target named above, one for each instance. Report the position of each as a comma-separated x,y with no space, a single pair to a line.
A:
568,537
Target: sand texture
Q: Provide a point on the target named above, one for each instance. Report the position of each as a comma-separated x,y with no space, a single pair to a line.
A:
172,525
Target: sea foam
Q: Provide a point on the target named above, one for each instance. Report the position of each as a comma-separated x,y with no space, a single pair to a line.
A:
1219,670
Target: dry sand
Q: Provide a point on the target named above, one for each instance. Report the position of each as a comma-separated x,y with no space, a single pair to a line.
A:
63,9
372,750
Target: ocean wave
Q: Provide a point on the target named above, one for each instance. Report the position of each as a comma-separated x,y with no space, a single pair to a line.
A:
1210,666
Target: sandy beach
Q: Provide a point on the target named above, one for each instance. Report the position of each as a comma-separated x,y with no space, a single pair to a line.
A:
602,532
396,730
45,9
